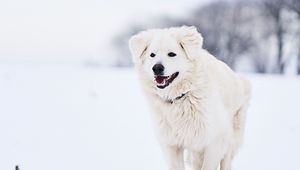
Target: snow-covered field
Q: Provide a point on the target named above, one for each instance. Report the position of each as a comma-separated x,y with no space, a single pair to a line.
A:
78,118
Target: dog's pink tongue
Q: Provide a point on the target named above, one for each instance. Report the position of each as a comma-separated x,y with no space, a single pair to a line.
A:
159,79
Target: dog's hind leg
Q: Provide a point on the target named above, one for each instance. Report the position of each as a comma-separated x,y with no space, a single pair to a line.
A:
226,162
238,132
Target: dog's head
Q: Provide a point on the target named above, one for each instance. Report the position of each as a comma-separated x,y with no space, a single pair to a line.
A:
166,55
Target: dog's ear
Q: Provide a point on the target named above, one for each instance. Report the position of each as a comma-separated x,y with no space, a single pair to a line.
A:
138,45
191,41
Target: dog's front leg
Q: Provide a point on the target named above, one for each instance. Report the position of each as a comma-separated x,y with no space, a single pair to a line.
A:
212,157
174,157
197,160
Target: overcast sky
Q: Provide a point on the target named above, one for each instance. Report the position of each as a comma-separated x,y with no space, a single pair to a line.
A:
72,30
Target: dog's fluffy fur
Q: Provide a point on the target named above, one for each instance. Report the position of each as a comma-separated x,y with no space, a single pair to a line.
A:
203,110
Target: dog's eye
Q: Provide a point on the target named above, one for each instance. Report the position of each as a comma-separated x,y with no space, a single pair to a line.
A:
171,54
152,55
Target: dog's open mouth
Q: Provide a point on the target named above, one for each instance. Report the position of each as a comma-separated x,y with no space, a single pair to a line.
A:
164,81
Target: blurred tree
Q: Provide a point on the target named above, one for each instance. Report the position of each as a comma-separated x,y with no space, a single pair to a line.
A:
294,5
123,58
225,28
274,8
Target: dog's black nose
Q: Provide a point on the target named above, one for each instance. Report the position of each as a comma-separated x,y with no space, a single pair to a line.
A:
158,69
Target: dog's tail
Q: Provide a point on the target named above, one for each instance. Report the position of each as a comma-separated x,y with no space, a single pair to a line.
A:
247,89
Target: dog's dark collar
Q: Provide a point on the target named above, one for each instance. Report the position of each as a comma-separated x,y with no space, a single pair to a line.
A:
171,101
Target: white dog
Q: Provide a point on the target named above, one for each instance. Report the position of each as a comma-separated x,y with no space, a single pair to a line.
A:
199,103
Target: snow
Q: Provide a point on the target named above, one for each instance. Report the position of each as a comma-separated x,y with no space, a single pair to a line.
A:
80,118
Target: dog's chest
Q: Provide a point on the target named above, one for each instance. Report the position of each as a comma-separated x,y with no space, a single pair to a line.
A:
182,123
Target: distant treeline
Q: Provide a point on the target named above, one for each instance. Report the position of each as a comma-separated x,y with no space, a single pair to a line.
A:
262,36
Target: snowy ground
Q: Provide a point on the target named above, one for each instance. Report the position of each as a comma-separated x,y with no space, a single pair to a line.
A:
77,118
